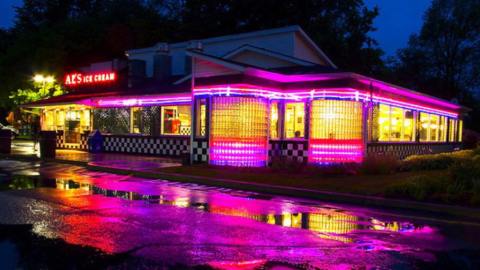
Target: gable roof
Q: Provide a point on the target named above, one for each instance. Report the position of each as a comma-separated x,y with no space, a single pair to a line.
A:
253,34
248,47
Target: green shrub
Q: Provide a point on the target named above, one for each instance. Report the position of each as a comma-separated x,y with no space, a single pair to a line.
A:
420,187
434,161
379,164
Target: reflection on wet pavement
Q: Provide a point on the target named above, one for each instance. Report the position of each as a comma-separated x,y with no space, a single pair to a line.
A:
200,225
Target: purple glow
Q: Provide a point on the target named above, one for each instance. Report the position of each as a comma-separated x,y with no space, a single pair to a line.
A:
336,93
383,86
139,101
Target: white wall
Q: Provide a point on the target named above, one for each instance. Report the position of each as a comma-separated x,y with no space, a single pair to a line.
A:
288,43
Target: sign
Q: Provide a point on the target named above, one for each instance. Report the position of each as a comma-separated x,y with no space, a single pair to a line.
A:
73,79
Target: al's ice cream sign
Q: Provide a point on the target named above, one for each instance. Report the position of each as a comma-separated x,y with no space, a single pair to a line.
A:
77,78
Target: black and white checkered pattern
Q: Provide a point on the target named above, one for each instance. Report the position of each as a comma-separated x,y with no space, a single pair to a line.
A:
200,151
60,143
146,145
291,150
403,150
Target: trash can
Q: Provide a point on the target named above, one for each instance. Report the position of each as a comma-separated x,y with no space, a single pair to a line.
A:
5,141
95,142
186,158
48,144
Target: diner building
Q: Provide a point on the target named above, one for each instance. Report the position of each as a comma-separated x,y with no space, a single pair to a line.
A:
247,99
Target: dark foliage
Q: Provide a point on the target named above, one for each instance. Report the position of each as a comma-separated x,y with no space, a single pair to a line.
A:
55,36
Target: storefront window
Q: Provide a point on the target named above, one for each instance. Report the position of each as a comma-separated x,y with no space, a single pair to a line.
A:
274,120
201,125
395,124
460,130
432,127
452,123
442,129
135,120
295,120
176,120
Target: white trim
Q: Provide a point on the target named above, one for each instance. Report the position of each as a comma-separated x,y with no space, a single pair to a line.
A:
248,47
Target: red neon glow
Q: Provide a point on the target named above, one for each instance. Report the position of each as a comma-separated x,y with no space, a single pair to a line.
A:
77,78
129,101
324,151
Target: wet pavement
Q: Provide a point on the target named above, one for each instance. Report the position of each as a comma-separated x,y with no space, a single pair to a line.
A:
106,160
155,223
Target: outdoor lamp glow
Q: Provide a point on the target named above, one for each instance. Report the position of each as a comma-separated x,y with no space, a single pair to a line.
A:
49,79
38,78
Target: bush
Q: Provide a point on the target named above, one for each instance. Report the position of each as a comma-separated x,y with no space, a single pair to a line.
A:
379,164
434,161
420,187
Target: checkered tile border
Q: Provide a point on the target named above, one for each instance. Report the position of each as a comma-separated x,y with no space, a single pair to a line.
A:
62,145
291,150
200,151
402,151
146,145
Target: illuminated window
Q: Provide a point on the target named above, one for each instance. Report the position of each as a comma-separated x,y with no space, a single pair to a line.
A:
384,122
274,120
432,127
176,120
442,129
201,124
135,120
395,124
460,130
48,122
453,129
295,120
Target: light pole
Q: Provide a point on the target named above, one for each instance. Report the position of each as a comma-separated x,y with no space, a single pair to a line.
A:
39,78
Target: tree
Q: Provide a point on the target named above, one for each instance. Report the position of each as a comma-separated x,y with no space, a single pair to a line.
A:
444,58
38,91
340,28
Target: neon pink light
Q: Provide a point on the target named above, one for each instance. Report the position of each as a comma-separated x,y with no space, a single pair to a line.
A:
341,93
139,101
231,153
326,151
383,86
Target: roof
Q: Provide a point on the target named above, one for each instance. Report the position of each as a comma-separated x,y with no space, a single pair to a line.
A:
253,34
285,57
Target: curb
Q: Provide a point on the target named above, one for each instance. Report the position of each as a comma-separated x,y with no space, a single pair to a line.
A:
458,212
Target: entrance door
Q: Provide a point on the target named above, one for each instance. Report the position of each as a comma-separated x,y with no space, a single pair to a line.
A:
72,127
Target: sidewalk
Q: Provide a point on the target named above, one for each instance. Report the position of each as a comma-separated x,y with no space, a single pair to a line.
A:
21,148
154,168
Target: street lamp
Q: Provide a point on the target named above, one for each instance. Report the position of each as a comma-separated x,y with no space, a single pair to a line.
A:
39,78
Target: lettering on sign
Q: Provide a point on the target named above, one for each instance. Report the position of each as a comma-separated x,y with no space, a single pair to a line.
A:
80,78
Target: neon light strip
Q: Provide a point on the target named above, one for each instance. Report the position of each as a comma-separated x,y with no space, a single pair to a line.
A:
343,93
139,101
327,151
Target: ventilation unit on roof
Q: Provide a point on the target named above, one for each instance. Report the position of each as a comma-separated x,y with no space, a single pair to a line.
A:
162,47
195,45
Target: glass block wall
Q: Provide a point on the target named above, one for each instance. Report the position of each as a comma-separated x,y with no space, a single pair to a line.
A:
335,131
239,131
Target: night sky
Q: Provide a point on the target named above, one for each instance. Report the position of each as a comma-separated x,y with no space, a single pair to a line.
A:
397,20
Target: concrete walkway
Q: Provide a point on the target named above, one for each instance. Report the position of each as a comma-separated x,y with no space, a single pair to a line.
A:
108,160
